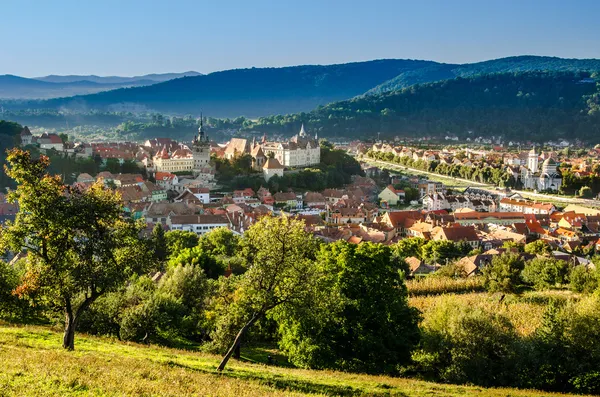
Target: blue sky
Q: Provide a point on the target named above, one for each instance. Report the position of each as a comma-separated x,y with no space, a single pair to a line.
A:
130,37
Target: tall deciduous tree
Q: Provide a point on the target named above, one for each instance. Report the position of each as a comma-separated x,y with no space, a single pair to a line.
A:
279,254
80,244
357,318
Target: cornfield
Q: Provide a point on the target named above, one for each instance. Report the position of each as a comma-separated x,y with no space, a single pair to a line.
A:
443,285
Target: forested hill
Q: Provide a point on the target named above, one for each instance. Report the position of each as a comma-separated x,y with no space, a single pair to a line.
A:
258,92
248,92
530,105
526,63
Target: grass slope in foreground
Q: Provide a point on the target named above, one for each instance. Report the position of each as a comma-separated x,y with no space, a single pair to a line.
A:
33,364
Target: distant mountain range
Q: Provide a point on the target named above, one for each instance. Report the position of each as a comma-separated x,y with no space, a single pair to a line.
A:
15,87
257,92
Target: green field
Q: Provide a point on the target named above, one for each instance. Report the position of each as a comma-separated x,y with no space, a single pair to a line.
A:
33,364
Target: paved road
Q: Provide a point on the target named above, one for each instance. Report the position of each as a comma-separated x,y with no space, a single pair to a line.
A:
488,187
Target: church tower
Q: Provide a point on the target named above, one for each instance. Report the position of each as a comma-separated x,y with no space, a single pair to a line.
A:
532,161
200,149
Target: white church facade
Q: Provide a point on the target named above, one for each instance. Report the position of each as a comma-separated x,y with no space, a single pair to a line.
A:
544,178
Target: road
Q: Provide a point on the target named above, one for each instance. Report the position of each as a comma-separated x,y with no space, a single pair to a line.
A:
485,186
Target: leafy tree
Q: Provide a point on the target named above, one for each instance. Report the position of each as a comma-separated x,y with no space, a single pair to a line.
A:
504,273
159,243
80,243
463,344
583,279
178,240
280,255
220,241
538,247
439,251
409,247
358,317
196,256
545,273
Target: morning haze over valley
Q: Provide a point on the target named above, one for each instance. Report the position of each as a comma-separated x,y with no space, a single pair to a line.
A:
340,198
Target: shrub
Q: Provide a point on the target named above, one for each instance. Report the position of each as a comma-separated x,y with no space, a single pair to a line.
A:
464,344
545,273
504,273
582,279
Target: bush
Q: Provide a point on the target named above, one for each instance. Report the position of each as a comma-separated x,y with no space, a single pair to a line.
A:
504,273
545,273
582,279
461,344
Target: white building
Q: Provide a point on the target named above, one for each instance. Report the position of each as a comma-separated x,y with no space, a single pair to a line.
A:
546,178
300,151
183,159
271,168
50,141
26,137
199,224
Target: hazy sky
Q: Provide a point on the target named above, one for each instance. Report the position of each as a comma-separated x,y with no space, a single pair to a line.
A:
130,37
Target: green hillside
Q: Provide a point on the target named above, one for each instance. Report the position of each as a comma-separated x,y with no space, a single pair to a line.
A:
536,105
255,92
33,364
249,92
526,63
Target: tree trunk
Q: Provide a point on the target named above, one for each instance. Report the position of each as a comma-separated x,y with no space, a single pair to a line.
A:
69,336
237,353
237,341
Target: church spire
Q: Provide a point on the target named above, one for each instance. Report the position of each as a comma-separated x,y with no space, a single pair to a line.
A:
302,132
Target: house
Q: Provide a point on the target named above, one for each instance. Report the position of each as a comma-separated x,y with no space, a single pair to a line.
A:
485,218
457,234
272,168
199,224
419,268
166,180
237,147
156,193
162,212
123,180
287,200
85,178
314,200
525,206
391,195
401,220
26,137
50,141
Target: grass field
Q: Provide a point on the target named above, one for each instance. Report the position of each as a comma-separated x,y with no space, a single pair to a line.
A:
33,364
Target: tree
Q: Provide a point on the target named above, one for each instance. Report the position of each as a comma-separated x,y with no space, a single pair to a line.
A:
538,247
357,318
80,243
409,247
219,241
159,243
436,251
504,273
178,240
545,273
196,256
279,254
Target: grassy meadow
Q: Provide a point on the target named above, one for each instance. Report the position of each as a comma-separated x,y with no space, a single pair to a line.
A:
32,363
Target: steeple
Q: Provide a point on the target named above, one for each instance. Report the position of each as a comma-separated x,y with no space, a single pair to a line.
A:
264,138
302,132
201,129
